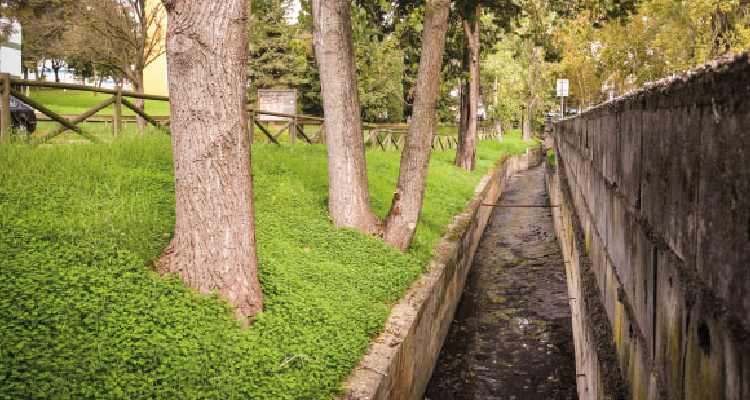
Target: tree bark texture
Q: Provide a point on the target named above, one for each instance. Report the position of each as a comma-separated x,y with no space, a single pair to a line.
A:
138,87
533,93
467,135
526,132
214,247
140,58
401,222
348,190
494,93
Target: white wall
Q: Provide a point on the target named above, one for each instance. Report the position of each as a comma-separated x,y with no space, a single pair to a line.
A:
10,53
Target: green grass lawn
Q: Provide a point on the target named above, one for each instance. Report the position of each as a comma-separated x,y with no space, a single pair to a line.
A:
77,102
82,315
103,132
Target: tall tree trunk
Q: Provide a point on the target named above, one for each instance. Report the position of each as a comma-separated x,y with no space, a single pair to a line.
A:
720,27
494,93
348,190
140,61
498,124
528,124
533,95
43,75
467,136
401,222
138,88
214,247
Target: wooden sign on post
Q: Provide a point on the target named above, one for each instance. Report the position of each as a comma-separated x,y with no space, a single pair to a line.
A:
280,101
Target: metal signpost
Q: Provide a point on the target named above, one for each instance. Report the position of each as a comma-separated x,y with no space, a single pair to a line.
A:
563,86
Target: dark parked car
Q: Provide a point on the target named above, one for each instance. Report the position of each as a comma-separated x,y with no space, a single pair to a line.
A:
22,117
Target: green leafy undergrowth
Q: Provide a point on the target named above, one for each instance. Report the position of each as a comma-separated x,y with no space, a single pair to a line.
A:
82,316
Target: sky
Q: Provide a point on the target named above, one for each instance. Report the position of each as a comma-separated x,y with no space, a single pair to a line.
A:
294,10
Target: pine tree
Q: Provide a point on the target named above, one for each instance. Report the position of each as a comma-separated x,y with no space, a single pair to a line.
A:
281,56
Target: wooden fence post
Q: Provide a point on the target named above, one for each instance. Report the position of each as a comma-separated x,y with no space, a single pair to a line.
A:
117,117
293,130
251,127
5,122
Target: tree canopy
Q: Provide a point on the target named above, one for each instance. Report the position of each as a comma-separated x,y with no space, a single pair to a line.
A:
658,39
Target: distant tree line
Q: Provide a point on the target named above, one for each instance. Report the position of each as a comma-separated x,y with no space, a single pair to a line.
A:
606,57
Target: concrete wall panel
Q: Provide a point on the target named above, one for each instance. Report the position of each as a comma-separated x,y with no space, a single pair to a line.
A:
681,189
658,182
723,240
629,181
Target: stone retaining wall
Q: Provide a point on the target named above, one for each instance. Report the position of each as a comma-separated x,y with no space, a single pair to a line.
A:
598,372
399,362
656,214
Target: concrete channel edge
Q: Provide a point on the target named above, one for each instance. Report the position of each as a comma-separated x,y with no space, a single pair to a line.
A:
399,362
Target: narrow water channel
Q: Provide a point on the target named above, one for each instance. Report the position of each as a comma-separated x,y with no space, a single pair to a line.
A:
512,337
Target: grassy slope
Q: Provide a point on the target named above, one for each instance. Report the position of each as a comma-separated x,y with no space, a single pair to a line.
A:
82,317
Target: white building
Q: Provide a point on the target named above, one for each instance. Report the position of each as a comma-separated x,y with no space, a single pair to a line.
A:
10,52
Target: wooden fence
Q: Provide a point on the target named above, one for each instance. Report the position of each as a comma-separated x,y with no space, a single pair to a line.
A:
377,136
70,122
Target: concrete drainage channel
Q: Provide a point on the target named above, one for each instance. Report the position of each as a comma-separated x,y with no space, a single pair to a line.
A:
652,229
399,362
512,336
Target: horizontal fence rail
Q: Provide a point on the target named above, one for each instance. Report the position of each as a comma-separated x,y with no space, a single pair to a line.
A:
71,86
100,118
385,137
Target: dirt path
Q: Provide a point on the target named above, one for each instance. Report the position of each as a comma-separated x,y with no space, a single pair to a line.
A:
511,338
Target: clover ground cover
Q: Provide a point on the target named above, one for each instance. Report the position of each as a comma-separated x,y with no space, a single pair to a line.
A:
83,316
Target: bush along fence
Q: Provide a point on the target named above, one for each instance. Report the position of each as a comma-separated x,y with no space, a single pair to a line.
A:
378,136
